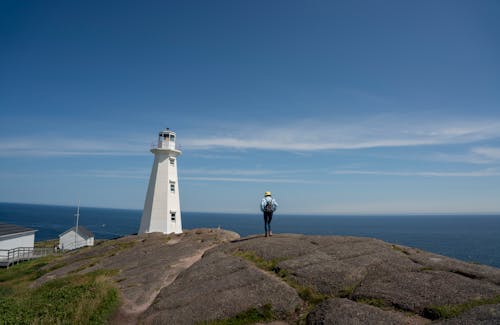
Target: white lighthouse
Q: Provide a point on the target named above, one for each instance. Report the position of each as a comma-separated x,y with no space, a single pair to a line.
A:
162,211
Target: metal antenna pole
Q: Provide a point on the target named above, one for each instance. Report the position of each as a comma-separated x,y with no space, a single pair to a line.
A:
77,217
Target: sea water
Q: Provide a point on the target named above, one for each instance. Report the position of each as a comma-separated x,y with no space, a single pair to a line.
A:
473,238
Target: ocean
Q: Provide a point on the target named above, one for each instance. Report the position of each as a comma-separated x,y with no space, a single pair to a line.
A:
472,238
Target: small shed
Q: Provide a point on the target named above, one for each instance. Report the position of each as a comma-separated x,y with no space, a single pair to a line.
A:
13,236
71,239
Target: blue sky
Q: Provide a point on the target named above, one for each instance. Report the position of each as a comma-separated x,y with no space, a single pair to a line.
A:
336,107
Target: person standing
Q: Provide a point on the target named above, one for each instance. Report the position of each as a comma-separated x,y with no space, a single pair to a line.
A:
268,205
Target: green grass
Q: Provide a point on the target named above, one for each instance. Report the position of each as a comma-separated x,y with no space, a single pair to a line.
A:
91,262
400,249
114,247
307,294
376,302
26,271
346,292
251,316
268,265
75,299
103,249
47,243
450,311
55,266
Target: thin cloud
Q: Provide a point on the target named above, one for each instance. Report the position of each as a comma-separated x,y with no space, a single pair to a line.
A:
53,147
127,173
299,137
216,156
491,153
466,158
103,173
371,133
238,172
248,180
478,173
478,155
244,172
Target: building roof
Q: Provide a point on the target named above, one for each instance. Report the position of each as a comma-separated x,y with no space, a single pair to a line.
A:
8,229
82,231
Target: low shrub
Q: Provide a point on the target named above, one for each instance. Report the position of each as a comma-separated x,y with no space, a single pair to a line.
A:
75,299
251,316
450,311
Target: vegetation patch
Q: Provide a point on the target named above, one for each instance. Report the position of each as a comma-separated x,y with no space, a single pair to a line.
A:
25,272
118,246
307,294
376,302
125,244
117,243
251,316
47,243
75,299
347,292
450,311
400,249
268,265
54,266
105,248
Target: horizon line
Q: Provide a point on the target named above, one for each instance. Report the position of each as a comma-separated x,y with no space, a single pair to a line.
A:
325,214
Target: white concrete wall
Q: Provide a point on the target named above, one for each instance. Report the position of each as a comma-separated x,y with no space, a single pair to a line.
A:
17,240
160,201
67,241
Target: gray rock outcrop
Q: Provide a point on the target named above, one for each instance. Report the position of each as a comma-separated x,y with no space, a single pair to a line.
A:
381,283
481,315
219,286
205,275
348,312
146,263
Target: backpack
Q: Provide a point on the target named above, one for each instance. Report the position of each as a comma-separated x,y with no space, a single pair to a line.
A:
269,206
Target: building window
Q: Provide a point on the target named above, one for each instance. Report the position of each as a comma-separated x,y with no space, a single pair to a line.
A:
172,161
172,216
172,187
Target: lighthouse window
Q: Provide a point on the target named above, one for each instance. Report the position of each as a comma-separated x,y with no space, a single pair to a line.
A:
172,162
172,137
172,216
172,187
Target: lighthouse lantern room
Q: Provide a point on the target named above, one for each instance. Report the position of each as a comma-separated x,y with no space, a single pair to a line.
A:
162,212
166,139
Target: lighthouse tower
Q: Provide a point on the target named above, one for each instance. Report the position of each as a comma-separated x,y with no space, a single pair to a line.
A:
162,212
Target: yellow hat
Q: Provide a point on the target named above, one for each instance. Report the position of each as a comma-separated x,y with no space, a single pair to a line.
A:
267,194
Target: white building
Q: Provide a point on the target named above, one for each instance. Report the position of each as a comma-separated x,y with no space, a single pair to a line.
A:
71,239
162,212
12,236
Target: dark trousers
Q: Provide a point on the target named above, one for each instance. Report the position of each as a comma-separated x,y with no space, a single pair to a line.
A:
268,216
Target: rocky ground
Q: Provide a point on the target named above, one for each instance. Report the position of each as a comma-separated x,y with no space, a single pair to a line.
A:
207,275
146,264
